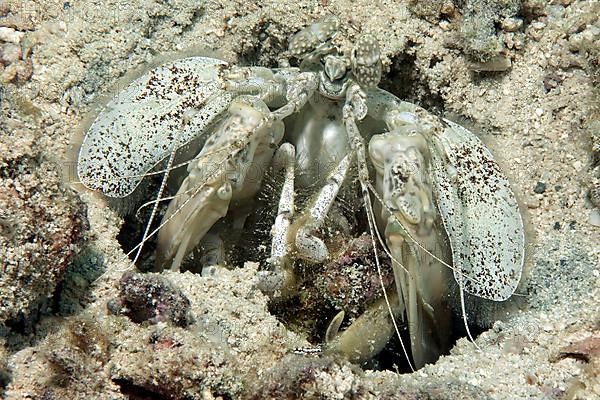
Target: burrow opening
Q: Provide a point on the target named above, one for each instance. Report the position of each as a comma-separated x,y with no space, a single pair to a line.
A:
324,289
349,281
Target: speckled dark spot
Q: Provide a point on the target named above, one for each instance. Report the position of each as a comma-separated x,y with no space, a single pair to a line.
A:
539,188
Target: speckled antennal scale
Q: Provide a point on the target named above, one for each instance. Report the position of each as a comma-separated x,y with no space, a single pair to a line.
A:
480,214
137,128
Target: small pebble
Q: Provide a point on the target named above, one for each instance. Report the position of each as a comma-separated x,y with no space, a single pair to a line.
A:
531,379
511,24
540,187
538,25
498,326
551,81
595,217
547,327
445,25
536,31
562,262
532,202
498,63
10,35
10,53
447,8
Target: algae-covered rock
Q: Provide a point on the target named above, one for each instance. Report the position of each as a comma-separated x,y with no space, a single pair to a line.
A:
477,28
151,298
42,222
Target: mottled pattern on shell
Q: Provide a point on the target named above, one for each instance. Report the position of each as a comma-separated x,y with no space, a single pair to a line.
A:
308,39
137,127
595,193
366,62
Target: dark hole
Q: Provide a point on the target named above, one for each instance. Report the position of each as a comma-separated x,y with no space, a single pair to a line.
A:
136,392
404,80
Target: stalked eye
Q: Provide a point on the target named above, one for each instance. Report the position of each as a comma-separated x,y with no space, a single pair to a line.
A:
365,60
309,38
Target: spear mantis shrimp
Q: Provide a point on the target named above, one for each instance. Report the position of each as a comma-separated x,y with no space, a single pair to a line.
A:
435,201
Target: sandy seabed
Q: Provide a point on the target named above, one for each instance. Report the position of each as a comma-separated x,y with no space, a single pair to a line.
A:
538,116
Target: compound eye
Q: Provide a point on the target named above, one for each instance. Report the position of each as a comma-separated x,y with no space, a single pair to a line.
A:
326,27
303,42
310,37
365,61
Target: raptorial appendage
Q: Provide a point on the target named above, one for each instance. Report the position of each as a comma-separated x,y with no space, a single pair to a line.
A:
408,215
216,177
